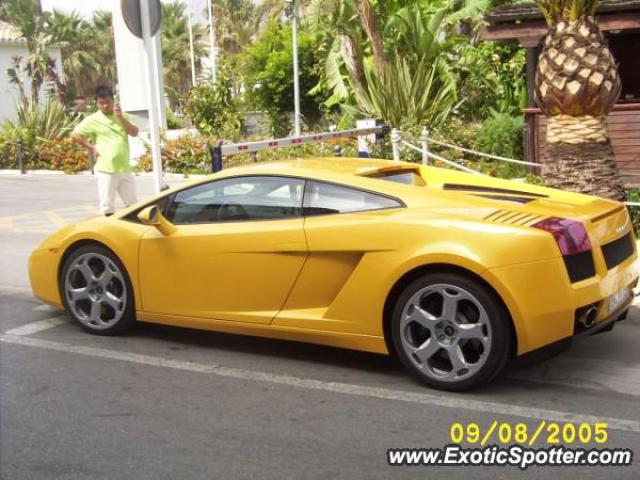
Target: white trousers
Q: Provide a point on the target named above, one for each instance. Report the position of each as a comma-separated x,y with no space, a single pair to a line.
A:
109,184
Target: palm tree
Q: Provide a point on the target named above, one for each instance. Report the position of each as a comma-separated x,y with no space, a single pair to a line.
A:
99,33
176,57
576,86
77,61
235,24
27,16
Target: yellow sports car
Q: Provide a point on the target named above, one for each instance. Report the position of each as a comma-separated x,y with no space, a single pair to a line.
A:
455,273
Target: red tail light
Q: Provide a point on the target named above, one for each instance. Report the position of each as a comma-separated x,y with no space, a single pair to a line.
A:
570,235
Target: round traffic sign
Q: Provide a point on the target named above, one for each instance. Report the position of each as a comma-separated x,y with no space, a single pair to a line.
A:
132,18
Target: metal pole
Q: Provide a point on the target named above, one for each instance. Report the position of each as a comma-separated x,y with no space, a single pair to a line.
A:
21,157
296,74
152,97
216,157
425,146
191,51
212,44
396,138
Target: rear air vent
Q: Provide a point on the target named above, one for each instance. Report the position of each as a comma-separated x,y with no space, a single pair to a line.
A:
617,251
580,266
512,218
506,198
479,188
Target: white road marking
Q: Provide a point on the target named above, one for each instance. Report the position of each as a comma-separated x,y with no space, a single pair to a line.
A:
584,373
35,327
14,288
43,308
438,400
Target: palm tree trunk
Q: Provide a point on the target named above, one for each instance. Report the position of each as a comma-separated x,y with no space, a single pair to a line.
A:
352,60
580,158
368,19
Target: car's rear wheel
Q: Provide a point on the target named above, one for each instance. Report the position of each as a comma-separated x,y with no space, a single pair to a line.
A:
450,331
97,291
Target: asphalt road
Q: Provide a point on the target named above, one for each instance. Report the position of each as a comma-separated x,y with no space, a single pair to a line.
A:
173,403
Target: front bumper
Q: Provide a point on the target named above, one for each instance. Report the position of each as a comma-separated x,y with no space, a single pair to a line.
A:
43,275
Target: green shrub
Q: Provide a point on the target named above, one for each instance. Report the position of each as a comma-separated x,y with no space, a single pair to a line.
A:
214,111
502,135
173,121
33,122
186,154
63,154
633,195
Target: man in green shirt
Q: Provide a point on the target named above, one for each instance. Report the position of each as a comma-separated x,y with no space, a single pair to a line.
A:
108,129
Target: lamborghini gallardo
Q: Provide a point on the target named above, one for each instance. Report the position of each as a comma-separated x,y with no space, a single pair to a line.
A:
454,273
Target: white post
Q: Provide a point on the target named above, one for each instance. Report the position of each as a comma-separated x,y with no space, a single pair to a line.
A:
191,51
396,138
153,96
296,79
425,146
212,44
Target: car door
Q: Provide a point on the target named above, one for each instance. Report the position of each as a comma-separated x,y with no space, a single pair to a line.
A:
349,237
237,251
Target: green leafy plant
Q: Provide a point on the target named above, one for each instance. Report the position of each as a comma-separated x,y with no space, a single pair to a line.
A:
268,70
49,122
173,121
406,95
186,154
214,110
502,135
63,154
633,195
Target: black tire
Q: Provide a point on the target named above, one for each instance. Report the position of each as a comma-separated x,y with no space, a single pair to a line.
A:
115,300
495,326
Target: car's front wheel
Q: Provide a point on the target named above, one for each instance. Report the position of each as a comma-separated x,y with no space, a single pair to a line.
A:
450,331
97,291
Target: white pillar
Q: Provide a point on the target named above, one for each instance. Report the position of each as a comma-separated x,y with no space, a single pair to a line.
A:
212,44
396,138
296,73
153,95
191,51
424,138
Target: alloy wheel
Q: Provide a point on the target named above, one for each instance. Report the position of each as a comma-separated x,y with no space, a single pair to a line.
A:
445,332
95,291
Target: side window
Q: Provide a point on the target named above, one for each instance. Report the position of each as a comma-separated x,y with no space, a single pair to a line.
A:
324,198
238,199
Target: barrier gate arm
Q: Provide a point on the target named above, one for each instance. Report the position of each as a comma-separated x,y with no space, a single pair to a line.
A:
220,150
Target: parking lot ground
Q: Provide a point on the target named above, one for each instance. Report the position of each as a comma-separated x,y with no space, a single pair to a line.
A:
165,402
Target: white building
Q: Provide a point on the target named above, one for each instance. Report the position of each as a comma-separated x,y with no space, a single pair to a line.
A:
13,45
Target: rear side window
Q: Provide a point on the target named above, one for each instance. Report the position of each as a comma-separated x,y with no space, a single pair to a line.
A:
324,198
407,178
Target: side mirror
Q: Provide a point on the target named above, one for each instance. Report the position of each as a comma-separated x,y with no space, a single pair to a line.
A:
153,216
149,216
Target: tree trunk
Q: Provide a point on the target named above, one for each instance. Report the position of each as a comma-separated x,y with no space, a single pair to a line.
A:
368,19
579,157
588,168
352,60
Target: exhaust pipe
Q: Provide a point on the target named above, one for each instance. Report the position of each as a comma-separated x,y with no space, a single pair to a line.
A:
588,318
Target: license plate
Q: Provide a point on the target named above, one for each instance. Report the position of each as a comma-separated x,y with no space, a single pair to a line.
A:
618,299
